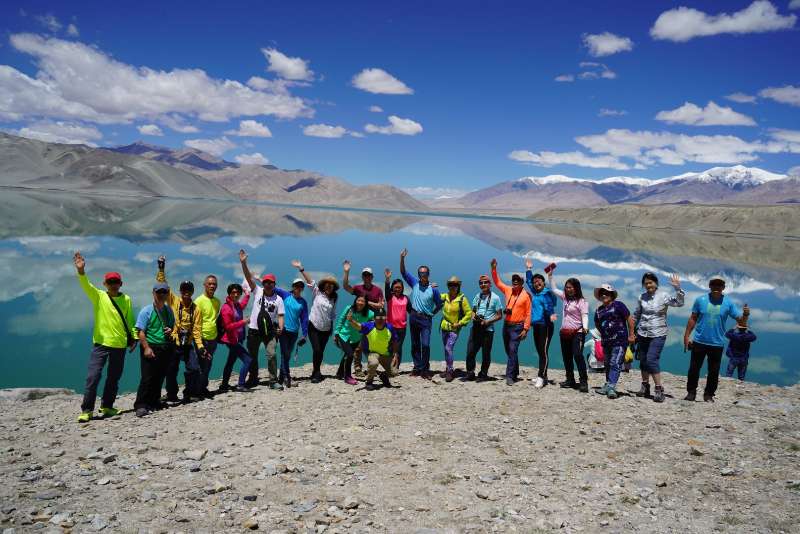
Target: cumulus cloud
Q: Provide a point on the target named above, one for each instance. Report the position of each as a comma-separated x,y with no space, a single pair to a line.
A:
150,129
606,112
606,44
212,249
77,81
376,109
325,130
290,68
711,115
61,132
794,4
794,171
595,70
177,124
49,21
72,31
396,126
551,159
256,158
379,81
251,128
435,193
215,147
788,94
682,24
565,78
741,98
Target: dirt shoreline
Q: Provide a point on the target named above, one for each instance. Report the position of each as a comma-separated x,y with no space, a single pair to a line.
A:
421,457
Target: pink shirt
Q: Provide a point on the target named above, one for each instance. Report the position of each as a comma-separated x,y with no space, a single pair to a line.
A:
397,311
573,311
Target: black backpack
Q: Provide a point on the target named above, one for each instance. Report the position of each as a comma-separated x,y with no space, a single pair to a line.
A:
266,328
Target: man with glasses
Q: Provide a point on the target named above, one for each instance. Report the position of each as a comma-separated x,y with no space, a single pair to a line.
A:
372,294
517,319
154,326
426,301
112,333
486,310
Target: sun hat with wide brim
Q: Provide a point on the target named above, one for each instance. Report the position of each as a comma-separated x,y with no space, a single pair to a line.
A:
607,288
328,280
454,280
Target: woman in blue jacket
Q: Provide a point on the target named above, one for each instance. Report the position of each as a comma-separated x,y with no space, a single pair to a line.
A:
543,304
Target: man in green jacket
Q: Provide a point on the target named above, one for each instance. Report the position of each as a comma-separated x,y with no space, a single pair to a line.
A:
113,333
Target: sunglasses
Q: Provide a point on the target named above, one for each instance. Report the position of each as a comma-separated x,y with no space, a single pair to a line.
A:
114,282
453,285
484,283
268,283
162,292
423,273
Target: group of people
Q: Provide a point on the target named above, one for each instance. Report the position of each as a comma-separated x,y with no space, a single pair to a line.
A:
177,328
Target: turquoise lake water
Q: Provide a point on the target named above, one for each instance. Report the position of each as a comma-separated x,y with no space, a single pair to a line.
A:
46,320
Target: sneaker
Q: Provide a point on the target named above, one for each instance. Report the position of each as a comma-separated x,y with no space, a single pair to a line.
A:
414,373
568,384
611,392
583,387
394,371
170,398
277,386
482,378
287,382
316,378
242,389
385,380
708,398
141,412
690,396
540,382
659,395
448,376
509,381
351,381
358,371
85,417
603,390
223,388
644,391
469,377
370,386
109,412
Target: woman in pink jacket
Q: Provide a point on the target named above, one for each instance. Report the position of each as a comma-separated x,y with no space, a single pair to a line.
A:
234,322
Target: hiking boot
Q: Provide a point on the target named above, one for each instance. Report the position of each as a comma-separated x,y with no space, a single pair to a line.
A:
109,412
370,386
223,388
358,370
583,387
708,398
170,398
611,392
481,378
85,417
568,384
141,412
448,376
351,381
659,395
385,380
644,391
287,382
540,382
316,379
276,386
603,390
242,389
394,371
509,381
690,396
469,377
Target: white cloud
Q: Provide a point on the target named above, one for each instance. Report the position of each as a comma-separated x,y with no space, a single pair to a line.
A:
251,242
177,124
397,125
788,94
376,109
769,365
379,81
213,249
50,22
58,246
290,68
741,98
77,81
256,158
794,4
150,129
251,128
325,130
565,78
712,115
435,193
606,44
683,23
551,159
606,112
72,31
61,132
215,147
595,70
794,171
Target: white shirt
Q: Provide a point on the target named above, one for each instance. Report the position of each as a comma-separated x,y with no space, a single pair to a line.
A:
273,305
323,310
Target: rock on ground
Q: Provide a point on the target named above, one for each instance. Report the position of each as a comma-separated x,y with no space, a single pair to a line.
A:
420,457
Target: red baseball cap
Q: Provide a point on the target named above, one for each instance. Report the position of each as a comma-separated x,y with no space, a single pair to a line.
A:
270,277
113,276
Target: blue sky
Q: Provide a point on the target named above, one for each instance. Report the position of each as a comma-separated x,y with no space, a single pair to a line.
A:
471,86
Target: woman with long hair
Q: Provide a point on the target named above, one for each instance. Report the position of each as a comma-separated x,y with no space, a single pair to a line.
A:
348,338
397,305
574,326
321,317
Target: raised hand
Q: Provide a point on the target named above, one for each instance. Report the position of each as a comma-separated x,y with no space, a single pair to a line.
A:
387,272
242,256
79,261
745,310
404,253
675,281
297,264
346,266
528,263
493,263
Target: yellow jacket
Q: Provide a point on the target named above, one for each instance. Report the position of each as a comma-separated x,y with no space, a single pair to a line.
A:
185,318
456,312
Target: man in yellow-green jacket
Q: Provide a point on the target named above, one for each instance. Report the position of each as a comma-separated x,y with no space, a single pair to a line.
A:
456,314
113,333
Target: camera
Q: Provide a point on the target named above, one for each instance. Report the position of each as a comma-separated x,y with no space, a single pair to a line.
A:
507,312
478,318
183,337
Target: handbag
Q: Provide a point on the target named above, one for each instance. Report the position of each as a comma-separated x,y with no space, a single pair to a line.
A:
131,341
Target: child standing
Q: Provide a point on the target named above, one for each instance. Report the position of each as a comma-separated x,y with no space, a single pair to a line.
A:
739,348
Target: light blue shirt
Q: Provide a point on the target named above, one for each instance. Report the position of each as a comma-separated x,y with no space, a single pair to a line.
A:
295,312
425,300
487,307
711,317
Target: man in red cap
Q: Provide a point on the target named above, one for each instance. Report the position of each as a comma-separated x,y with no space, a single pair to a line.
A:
113,332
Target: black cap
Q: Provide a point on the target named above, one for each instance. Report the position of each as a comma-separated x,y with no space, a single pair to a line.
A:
186,285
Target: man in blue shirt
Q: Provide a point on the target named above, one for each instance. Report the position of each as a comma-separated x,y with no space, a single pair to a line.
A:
425,303
709,314
154,327
486,310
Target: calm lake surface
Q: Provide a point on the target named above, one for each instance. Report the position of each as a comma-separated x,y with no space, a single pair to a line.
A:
46,320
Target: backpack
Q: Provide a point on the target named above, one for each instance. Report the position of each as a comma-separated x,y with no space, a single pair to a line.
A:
266,328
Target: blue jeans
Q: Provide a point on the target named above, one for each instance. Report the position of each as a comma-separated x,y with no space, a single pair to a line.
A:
511,333
400,335
614,356
648,352
287,342
449,341
205,363
737,364
234,352
420,326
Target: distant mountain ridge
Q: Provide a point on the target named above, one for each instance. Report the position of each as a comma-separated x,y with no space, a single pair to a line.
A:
718,185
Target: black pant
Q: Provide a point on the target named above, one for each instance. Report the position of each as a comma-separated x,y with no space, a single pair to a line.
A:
153,372
254,341
97,360
572,349
542,334
346,365
318,339
699,353
480,339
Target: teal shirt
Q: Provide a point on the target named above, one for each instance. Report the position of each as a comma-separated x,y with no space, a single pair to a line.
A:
345,330
153,322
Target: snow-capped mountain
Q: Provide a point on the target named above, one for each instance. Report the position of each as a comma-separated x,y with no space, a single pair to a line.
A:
561,179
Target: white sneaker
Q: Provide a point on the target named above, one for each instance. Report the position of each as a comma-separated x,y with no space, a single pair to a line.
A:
539,384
